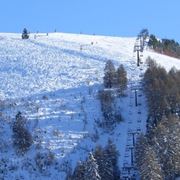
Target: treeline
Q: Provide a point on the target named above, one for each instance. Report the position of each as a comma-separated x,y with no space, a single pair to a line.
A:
102,164
158,153
162,91
165,46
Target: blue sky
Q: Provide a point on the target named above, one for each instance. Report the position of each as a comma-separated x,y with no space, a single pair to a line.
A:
106,17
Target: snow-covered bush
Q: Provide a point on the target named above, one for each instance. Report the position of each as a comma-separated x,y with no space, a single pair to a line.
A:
44,160
22,138
7,166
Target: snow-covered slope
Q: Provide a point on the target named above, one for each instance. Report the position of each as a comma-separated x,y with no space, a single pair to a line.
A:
165,61
54,81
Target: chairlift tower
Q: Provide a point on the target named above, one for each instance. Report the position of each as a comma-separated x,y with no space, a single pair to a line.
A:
137,49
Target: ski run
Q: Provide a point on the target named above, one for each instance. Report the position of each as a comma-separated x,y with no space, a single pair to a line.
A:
54,79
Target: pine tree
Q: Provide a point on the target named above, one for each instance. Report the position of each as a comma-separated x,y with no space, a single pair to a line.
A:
104,164
144,34
166,140
25,34
151,168
91,169
110,75
146,160
153,42
79,172
111,155
121,79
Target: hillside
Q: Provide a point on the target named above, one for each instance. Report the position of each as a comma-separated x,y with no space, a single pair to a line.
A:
54,81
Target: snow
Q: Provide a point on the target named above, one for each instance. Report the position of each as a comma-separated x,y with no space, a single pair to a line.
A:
54,81
163,60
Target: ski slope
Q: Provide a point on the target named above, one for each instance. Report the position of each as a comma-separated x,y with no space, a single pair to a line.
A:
54,80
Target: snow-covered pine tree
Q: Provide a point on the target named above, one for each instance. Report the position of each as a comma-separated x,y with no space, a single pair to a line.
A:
166,141
109,75
147,161
174,145
91,169
121,79
111,154
79,172
104,164
140,152
151,168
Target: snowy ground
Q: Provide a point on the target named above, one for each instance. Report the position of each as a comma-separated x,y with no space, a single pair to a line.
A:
54,81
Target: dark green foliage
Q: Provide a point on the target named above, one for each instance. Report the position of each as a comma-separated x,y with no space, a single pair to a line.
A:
153,42
22,138
165,46
25,34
